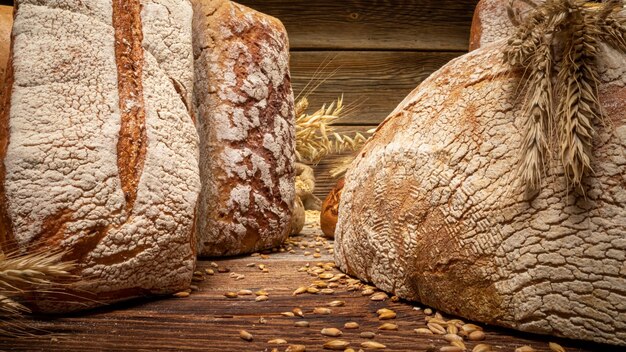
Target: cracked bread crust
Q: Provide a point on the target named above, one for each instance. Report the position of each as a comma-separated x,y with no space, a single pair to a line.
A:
491,22
246,127
100,150
430,211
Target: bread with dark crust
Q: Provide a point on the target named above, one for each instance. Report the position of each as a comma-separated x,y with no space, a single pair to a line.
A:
246,125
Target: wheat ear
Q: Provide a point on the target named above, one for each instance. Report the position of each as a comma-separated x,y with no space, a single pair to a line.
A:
535,145
613,26
579,101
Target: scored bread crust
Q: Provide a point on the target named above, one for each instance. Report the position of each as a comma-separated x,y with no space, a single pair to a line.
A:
246,126
101,158
431,211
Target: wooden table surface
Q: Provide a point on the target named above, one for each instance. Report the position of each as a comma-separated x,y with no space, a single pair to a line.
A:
208,321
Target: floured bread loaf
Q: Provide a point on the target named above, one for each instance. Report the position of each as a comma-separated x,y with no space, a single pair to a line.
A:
431,211
246,127
100,151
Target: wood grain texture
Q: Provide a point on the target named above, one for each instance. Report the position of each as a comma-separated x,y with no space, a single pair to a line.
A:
374,25
207,321
375,81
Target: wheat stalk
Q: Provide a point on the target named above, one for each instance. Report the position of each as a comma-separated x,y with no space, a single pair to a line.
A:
316,137
576,27
577,82
535,145
22,275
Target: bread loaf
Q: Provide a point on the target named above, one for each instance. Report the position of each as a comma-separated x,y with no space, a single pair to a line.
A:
99,151
431,211
330,210
6,23
246,129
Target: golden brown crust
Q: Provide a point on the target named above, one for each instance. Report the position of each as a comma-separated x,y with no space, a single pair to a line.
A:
476,31
131,147
6,228
6,24
330,210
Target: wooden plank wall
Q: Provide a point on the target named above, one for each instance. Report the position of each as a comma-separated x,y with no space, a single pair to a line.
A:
380,51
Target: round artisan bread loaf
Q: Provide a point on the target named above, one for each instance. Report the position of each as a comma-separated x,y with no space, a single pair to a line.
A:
330,210
99,152
246,128
431,211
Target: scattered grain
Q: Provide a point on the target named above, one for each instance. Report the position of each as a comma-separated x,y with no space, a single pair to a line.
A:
556,347
351,325
261,298
452,337
244,293
459,344
337,303
337,345
277,342
476,335
451,349
327,291
298,312
296,348
436,328
367,335
379,296
299,290
373,345
302,324
182,294
482,347
245,335
388,326
387,316
428,311
423,331
322,310
332,332
231,295
287,314
367,292
525,349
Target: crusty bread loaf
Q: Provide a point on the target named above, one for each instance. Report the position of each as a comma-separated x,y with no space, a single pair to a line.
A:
6,23
99,150
431,211
246,127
